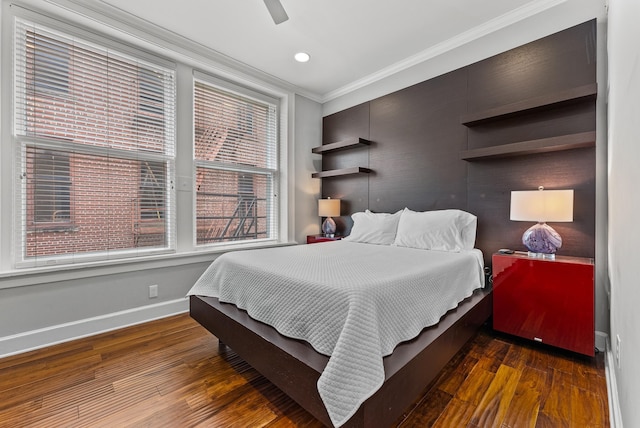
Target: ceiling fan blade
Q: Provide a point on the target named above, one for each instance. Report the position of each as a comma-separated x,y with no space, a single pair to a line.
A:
276,10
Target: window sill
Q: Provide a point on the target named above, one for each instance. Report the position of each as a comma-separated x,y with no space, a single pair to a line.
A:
46,274
52,228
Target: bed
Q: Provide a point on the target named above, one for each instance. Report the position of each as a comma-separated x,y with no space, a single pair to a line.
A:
353,330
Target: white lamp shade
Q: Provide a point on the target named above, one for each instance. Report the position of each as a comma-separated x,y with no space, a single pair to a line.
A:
328,207
542,205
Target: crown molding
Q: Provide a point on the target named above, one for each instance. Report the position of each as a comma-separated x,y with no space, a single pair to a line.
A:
165,40
498,23
232,69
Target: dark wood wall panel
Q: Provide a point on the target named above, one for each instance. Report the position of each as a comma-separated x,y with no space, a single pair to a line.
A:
557,121
417,135
352,190
491,183
353,122
555,63
417,138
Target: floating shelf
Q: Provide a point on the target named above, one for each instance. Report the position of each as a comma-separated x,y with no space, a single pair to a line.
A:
337,172
569,96
544,145
341,145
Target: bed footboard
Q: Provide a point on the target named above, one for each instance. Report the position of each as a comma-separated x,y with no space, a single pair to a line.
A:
294,366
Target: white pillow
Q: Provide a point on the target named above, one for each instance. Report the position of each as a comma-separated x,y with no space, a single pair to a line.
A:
374,228
443,230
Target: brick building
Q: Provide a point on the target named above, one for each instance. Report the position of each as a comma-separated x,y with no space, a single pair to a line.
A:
97,154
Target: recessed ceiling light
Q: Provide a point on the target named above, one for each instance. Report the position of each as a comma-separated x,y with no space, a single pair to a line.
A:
302,57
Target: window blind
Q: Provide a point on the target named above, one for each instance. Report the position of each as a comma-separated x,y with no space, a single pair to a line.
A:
236,165
95,136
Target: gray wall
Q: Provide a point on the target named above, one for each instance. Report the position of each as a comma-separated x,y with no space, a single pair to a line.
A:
43,305
624,203
307,134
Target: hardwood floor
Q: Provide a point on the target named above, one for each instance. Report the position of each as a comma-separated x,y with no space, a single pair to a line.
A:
170,373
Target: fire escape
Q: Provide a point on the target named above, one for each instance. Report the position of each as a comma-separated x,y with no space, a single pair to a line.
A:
241,224
230,216
148,209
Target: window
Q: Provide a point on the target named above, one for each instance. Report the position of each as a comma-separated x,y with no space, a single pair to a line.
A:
236,164
50,65
50,188
151,101
152,194
94,130
151,205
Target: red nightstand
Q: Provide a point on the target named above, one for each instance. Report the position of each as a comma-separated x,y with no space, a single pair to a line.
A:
314,239
549,301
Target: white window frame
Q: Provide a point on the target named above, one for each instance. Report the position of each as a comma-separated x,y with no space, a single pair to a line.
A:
273,203
99,23
20,142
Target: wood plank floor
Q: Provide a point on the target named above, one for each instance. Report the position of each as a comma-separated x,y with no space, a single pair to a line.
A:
170,373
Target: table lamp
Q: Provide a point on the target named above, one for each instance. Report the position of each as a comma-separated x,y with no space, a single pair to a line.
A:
328,208
542,206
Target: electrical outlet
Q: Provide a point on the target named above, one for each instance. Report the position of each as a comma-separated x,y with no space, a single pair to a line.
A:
153,291
618,342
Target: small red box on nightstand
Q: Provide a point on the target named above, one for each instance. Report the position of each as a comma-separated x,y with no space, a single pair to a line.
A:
313,239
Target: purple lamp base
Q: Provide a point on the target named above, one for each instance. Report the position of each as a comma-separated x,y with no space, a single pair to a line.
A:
542,241
329,227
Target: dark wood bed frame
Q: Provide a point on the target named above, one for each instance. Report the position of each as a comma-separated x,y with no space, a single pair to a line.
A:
294,366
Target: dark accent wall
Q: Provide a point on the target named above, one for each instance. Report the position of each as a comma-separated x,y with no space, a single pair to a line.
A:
417,137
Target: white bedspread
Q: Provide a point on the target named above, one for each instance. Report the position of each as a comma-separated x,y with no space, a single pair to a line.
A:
351,301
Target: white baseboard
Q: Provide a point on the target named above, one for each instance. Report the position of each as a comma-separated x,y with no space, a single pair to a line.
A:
615,414
35,339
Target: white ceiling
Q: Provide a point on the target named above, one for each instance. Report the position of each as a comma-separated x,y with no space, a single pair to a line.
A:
349,41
